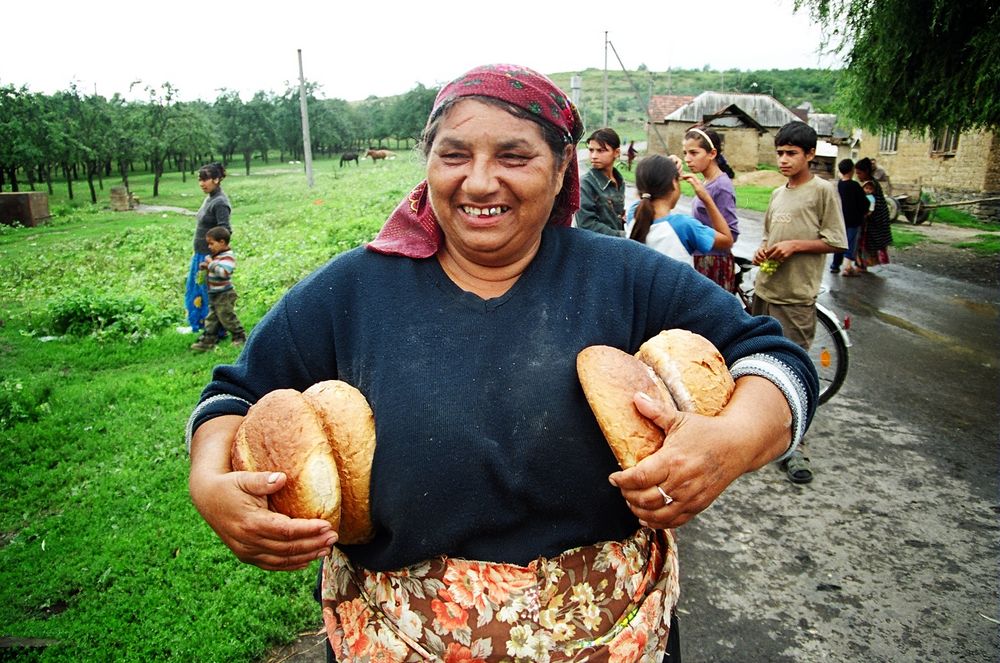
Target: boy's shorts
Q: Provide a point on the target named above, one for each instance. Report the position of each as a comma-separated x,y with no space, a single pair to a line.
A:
798,321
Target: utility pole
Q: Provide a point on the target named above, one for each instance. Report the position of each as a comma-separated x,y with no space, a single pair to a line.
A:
605,79
306,142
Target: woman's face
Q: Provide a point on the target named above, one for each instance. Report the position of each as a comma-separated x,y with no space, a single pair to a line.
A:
208,185
697,157
863,175
492,180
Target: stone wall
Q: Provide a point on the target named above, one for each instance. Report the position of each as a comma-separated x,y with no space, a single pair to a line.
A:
974,167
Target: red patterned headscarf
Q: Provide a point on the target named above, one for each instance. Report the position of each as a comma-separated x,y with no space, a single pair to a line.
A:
412,229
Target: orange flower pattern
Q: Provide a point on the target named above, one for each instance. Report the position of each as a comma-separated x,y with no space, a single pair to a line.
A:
610,601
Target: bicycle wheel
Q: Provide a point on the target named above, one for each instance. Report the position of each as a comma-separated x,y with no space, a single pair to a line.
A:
829,354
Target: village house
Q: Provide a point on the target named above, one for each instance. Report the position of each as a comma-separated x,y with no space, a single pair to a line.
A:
945,166
747,121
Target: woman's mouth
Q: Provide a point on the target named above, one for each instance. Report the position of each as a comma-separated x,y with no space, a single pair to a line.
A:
485,212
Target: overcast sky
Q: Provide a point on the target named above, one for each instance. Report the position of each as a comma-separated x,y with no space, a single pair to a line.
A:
357,48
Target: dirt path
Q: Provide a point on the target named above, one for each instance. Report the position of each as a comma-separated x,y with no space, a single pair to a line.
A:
153,209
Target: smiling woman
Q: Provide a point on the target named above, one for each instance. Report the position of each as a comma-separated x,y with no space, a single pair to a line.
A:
502,524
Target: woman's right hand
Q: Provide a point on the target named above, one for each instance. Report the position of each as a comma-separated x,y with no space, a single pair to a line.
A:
234,504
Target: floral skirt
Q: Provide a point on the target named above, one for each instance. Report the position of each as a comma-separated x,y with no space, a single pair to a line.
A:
608,602
721,269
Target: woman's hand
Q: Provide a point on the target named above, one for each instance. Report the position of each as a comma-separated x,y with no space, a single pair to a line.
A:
234,504
701,456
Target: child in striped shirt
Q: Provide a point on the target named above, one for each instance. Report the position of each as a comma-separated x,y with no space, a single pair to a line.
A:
221,294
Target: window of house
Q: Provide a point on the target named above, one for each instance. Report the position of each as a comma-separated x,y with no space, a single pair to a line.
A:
945,141
887,141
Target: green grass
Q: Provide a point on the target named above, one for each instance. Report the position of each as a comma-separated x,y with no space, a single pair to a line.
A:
100,548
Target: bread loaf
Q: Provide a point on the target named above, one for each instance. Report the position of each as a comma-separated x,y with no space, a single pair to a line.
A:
324,440
283,433
692,369
350,427
610,379
675,366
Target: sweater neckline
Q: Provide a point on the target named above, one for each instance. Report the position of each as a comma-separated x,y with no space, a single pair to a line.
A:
471,300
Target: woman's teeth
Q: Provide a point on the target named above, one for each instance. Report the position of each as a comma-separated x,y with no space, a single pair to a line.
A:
483,211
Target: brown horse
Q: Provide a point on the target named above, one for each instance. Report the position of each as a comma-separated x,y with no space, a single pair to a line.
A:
379,154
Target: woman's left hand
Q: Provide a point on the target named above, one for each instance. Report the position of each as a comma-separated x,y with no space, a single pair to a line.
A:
701,456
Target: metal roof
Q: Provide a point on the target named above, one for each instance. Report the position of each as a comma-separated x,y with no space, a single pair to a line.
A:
763,108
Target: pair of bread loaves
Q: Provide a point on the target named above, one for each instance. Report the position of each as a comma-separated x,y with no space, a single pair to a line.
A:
675,366
323,439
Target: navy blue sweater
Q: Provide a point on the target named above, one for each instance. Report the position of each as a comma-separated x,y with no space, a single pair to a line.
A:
486,447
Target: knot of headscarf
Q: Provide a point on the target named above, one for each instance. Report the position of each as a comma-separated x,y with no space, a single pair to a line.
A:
412,229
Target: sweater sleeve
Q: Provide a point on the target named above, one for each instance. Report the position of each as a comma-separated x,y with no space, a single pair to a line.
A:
272,359
751,345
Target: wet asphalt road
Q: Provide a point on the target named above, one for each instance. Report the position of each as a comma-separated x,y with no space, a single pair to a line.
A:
891,553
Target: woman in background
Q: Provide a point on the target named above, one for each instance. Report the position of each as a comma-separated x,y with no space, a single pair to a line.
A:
703,154
214,211
876,235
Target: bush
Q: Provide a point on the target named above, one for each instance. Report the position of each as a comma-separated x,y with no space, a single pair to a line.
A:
18,404
105,315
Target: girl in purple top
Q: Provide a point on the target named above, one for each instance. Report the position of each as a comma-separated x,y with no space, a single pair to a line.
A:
703,154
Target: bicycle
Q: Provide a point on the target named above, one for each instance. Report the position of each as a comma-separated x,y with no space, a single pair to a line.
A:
829,349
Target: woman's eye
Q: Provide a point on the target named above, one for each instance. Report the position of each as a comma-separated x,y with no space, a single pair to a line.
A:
514,159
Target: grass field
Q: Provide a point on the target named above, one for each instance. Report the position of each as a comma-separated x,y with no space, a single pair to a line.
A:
102,556
101,553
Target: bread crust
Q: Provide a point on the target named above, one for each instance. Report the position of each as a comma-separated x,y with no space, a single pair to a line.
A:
692,368
282,432
349,426
610,379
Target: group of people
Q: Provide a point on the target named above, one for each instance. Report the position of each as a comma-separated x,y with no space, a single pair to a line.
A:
866,215
210,297
503,524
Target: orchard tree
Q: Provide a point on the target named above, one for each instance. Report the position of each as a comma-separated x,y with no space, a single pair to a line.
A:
921,65
408,113
159,114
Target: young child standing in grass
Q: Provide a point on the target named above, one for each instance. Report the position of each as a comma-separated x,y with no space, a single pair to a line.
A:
803,222
221,293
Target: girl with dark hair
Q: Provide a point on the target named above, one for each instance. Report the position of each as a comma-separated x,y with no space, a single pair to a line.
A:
214,211
876,234
652,222
703,154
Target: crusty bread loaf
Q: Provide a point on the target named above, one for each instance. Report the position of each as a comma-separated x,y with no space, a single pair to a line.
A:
349,426
282,432
691,368
610,379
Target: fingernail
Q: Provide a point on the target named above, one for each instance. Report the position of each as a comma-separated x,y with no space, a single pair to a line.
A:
273,477
612,481
322,554
644,396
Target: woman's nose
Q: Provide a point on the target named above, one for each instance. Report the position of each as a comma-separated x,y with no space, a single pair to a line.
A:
481,178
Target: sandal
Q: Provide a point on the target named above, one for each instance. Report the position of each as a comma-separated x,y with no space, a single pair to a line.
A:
797,468
850,271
